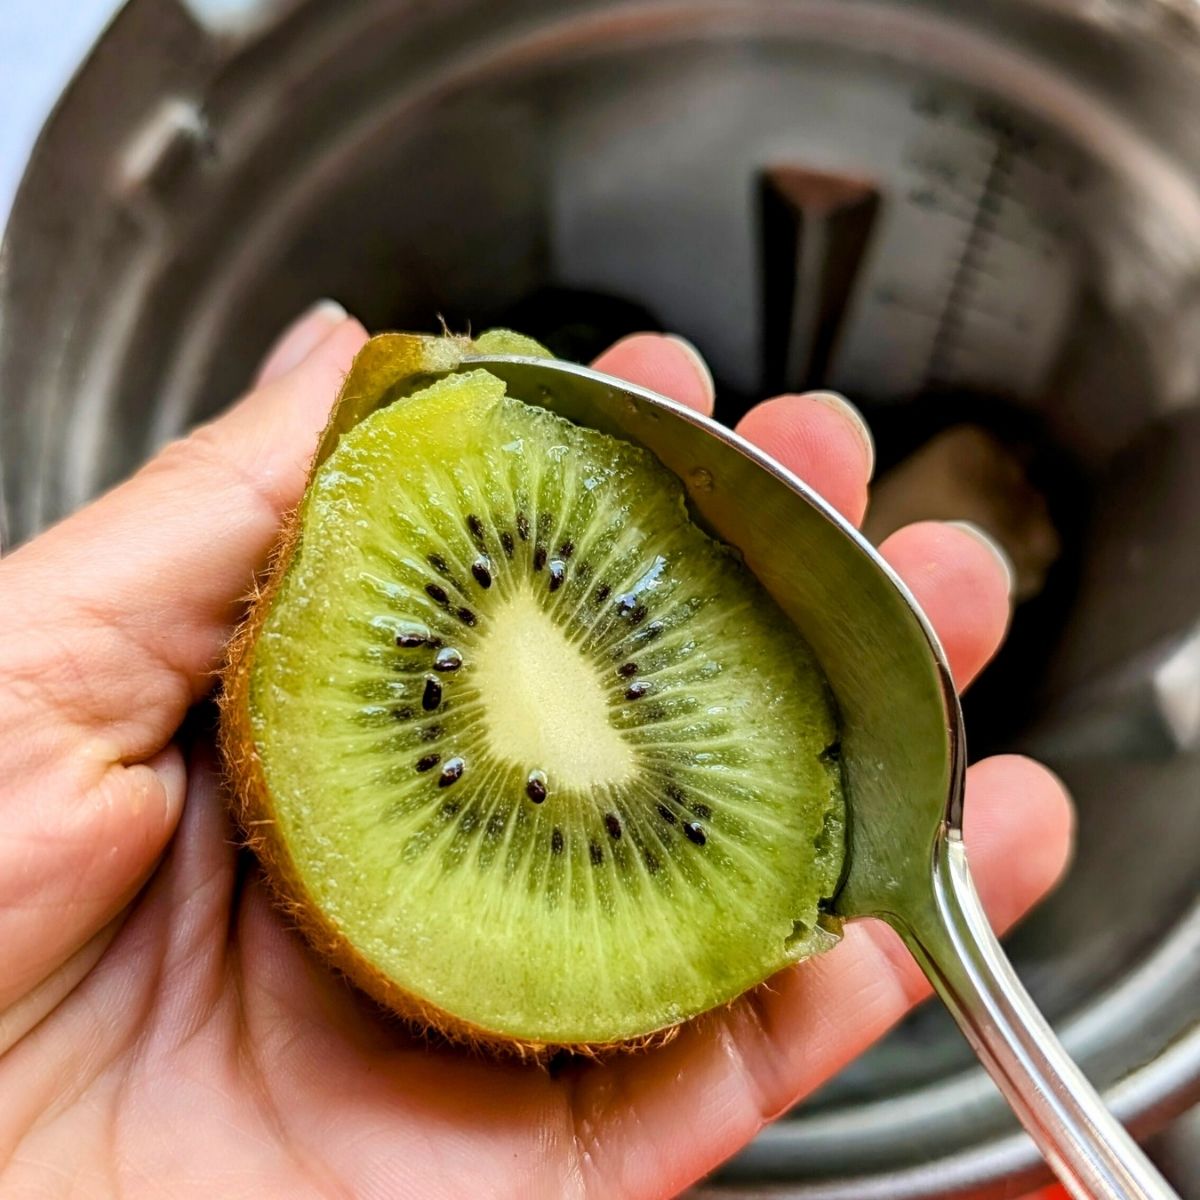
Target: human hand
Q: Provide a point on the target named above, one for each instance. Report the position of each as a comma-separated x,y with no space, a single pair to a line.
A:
164,1033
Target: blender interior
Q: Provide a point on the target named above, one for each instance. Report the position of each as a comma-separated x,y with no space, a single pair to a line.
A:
890,207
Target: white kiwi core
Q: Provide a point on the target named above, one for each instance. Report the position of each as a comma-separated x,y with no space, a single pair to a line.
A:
545,705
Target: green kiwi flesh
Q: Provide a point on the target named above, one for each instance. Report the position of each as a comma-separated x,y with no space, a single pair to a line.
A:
542,763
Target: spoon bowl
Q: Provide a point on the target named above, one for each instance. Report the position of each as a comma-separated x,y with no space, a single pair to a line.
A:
902,746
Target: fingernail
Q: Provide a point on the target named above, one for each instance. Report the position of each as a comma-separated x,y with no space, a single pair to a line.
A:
301,337
320,317
1001,555
698,362
839,404
329,310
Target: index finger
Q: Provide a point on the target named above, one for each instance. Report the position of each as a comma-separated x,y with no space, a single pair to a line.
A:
664,363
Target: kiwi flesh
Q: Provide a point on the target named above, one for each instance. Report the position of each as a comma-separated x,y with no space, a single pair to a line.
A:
531,758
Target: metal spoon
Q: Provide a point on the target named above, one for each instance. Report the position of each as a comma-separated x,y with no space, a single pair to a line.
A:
903,751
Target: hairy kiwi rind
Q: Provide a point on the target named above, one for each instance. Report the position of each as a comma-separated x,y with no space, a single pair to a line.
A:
389,367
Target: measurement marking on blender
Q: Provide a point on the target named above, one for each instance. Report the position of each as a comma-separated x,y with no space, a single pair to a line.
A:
968,269
981,308
948,189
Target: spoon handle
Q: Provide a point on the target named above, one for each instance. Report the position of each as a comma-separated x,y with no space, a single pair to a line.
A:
1084,1144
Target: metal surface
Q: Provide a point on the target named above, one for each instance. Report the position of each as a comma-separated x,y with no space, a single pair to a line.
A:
1089,1151
1035,238
903,752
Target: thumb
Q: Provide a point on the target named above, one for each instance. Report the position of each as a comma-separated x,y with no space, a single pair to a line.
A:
113,624
137,591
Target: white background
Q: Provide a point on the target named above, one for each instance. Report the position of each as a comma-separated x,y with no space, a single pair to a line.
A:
41,44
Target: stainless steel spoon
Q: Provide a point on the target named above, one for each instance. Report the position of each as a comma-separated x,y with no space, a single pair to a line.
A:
903,751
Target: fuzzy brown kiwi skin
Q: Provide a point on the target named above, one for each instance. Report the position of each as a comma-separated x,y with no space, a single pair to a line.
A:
383,363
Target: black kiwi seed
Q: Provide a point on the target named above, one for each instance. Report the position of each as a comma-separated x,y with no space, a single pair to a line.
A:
466,616
506,540
626,670
597,853
695,833
613,824
702,811
566,549
450,808
556,841
481,569
535,786
431,733
437,593
675,792
428,762
475,525
602,593
666,814
539,558
631,610
635,691
522,527
558,572
438,563
448,659
495,826
451,772
410,641
432,696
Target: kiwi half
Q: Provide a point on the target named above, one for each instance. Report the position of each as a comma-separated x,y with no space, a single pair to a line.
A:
530,757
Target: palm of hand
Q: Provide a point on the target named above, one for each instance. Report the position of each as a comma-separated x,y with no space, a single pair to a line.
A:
192,1046
207,1054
